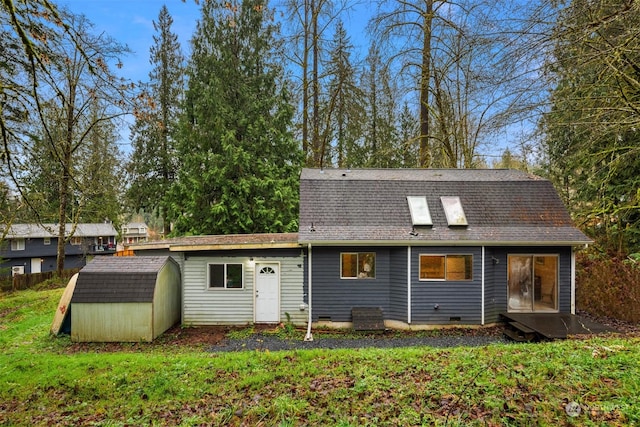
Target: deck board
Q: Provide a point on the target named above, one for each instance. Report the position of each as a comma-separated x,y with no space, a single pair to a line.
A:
558,325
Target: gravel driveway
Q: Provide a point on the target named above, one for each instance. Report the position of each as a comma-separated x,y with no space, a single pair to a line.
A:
273,343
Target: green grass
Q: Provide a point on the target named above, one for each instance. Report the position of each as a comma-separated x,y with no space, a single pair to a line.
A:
51,381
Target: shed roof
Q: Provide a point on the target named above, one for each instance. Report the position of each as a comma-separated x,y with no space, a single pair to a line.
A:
31,231
119,279
502,207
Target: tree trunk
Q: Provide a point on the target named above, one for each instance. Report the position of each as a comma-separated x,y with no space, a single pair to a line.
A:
62,213
425,77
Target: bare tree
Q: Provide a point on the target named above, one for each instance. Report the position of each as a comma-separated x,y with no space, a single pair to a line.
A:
76,94
312,23
470,63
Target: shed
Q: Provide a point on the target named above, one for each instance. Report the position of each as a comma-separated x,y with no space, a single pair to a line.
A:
119,299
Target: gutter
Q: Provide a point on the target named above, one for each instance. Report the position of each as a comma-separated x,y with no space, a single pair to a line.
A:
427,243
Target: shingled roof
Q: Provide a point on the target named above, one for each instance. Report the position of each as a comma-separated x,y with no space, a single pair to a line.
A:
51,230
222,242
119,279
363,206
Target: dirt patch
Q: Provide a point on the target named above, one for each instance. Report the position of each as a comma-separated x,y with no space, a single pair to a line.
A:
623,327
192,337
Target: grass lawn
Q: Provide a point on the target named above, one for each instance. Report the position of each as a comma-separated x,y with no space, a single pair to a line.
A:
47,381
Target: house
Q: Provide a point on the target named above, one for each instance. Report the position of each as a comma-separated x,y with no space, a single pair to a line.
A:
425,247
237,279
32,248
135,232
436,247
125,299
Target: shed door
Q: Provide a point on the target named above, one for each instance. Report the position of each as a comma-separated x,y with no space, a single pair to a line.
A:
267,293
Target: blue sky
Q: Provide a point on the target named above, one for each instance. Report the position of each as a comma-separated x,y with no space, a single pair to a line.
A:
131,22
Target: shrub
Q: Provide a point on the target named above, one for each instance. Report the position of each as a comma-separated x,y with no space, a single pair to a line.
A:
608,286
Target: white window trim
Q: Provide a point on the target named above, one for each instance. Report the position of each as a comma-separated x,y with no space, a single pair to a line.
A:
224,288
445,268
47,241
18,244
375,266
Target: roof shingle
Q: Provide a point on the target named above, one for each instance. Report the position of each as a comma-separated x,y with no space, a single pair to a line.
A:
119,279
370,205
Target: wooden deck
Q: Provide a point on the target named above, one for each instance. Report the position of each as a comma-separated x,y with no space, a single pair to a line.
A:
556,325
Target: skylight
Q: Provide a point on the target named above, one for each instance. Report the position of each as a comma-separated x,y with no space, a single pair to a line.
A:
453,210
419,210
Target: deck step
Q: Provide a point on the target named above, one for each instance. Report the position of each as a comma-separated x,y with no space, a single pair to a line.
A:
521,333
525,329
367,319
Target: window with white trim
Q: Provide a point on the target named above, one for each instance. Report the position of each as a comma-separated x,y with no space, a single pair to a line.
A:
47,241
358,265
446,267
17,244
225,276
76,241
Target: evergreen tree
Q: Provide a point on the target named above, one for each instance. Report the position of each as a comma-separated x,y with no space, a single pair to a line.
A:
592,137
152,164
408,137
239,164
379,133
345,106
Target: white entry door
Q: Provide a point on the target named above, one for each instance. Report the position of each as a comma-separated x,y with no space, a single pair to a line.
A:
36,265
267,293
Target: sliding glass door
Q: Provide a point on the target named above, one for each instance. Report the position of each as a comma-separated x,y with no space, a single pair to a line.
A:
532,283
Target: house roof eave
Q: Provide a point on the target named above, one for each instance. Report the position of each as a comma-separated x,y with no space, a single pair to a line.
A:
573,243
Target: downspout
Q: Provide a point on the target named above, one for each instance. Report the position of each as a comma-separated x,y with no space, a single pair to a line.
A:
409,285
573,280
309,336
482,289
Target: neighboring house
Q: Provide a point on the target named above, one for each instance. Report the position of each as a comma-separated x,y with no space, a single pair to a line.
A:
436,247
32,248
135,232
428,247
125,299
237,279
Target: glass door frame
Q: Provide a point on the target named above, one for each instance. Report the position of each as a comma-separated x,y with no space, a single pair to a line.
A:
528,292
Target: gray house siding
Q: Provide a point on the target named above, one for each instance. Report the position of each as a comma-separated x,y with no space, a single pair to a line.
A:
333,297
205,306
398,293
492,264
457,302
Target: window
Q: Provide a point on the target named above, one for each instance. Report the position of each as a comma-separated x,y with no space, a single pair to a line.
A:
446,267
453,210
17,244
225,276
47,241
360,265
76,241
419,209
